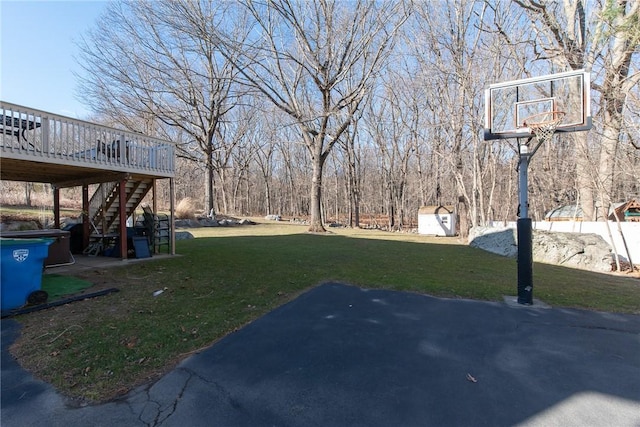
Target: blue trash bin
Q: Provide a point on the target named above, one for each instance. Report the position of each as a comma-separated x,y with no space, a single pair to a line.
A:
22,261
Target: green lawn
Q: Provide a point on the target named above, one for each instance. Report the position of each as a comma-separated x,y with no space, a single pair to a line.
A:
97,349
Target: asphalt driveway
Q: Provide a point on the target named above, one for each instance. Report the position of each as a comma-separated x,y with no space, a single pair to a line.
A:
340,355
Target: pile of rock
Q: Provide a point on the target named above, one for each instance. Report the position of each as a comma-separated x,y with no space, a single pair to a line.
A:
211,222
299,221
576,250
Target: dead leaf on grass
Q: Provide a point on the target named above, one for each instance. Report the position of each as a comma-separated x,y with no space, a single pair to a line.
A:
129,342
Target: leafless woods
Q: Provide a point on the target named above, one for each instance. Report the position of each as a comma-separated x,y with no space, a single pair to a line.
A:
333,110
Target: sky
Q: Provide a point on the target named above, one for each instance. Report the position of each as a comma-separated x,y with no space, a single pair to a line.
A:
38,51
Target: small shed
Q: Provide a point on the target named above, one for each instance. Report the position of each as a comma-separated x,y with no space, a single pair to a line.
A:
626,211
437,220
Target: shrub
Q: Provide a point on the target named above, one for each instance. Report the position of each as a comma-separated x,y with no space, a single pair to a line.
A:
186,209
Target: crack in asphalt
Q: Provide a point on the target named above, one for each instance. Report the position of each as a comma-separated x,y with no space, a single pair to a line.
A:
221,390
177,399
155,414
162,413
148,401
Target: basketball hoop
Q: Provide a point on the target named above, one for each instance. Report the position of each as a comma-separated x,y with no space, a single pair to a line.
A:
543,125
524,108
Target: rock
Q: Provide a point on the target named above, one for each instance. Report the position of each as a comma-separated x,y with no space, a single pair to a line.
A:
299,221
272,217
576,250
211,222
501,241
585,251
183,235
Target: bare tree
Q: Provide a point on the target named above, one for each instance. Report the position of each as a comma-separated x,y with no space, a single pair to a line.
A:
157,61
602,36
352,166
618,37
266,157
296,170
392,124
448,49
315,61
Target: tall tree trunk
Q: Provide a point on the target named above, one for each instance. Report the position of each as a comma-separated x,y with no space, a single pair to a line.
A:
210,186
462,209
353,183
606,170
267,196
315,222
222,197
584,177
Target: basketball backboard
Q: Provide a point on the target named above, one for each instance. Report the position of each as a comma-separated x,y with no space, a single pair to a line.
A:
509,104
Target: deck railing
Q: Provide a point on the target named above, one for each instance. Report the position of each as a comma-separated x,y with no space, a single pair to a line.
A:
29,134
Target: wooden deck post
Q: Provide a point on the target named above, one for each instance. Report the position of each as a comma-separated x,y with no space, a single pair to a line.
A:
85,216
56,207
172,230
154,197
122,194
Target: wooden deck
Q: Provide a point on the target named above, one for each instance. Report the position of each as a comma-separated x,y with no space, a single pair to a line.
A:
38,146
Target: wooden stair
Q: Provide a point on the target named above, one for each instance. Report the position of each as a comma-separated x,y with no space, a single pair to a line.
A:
104,206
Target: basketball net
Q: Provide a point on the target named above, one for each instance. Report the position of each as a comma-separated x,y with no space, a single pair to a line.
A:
544,125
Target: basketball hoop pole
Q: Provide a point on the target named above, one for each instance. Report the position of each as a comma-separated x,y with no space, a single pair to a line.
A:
543,128
524,230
